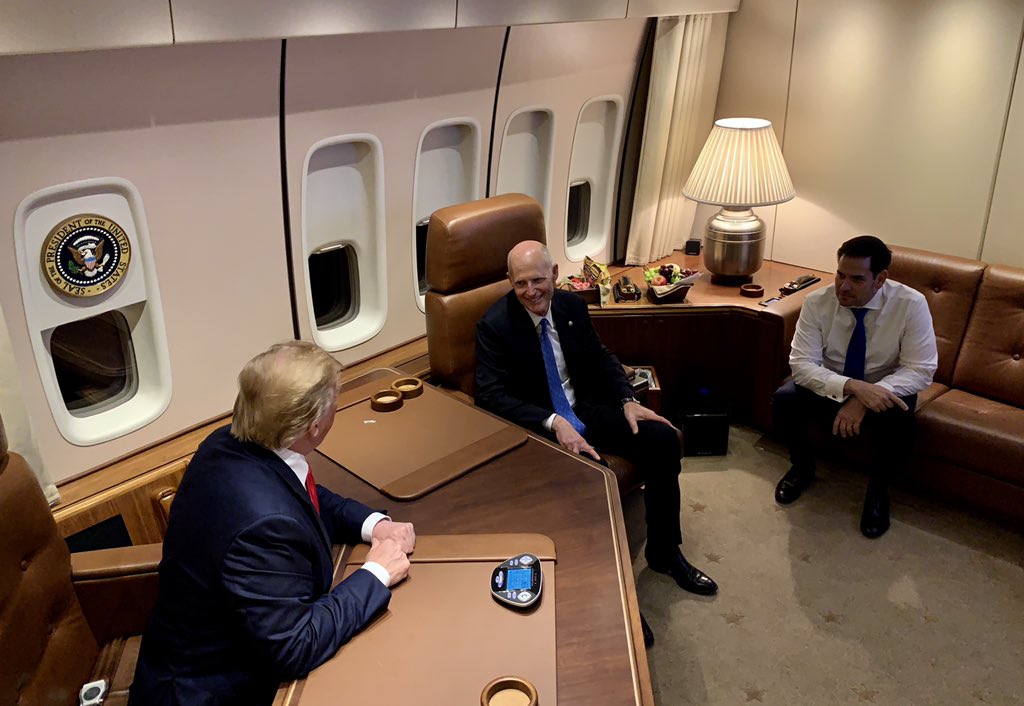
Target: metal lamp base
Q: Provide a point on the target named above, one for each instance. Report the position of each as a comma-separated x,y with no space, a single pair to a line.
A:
733,246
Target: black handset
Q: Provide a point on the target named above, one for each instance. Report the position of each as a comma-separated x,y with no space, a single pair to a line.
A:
798,283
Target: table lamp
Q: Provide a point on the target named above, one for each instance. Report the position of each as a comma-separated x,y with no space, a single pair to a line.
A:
740,167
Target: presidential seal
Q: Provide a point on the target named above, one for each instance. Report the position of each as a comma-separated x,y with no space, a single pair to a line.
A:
86,255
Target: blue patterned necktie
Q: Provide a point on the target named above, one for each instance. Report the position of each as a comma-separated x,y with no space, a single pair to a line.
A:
858,348
558,398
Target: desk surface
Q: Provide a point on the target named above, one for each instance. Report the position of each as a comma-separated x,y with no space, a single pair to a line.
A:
599,649
771,276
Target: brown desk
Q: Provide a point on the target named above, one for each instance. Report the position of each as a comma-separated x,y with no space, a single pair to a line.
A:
716,338
599,649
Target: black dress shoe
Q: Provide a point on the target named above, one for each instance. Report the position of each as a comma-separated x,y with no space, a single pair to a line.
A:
793,484
648,633
689,577
874,521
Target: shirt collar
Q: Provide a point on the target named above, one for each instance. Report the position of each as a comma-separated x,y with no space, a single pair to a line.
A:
874,302
295,461
537,319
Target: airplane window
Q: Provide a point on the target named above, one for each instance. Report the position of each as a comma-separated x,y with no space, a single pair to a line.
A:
447,172
578,212
524,165
94,361
592,166
334,279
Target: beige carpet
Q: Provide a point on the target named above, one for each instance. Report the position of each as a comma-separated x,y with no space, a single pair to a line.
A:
811,612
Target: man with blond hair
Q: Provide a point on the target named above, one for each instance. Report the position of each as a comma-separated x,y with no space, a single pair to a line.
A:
245,597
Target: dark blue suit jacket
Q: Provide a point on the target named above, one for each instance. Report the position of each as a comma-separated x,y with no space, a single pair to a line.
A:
510,377
245,599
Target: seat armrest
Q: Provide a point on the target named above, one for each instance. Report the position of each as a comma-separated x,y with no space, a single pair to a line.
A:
117,588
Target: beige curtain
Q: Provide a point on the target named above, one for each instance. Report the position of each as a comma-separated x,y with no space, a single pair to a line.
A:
685,71
14,419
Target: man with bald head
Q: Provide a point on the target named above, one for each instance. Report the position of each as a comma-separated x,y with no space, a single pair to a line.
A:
540,364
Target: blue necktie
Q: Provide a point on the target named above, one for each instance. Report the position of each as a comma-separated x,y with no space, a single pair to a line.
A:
858,348
558,398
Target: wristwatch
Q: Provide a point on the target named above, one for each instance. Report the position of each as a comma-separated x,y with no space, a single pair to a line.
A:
626,400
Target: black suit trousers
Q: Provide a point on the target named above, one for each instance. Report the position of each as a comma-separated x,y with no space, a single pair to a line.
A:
802,417
655,449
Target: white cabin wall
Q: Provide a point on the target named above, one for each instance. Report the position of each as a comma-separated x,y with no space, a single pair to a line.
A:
891,117
1004,236
391,86
561,67
195,129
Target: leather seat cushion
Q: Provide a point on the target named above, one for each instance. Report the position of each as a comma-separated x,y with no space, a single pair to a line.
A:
974,432
991,361
627,473
451,332
930,393
47,649
949,284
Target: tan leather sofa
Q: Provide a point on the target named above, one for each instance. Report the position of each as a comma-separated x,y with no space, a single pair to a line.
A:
969,442
65,620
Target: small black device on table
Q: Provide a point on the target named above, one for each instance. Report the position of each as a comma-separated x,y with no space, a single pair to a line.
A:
797,284
518,581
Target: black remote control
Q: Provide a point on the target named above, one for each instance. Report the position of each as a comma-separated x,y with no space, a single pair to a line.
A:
797,284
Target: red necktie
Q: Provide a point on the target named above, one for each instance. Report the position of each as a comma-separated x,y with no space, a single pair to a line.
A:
311,489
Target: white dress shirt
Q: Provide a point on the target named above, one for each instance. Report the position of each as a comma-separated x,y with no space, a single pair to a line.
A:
901,354
563,372
300,467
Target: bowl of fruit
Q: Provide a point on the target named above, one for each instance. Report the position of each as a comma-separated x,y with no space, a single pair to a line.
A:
669,283
669,274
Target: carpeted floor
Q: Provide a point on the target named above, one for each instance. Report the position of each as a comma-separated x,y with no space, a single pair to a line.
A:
811,612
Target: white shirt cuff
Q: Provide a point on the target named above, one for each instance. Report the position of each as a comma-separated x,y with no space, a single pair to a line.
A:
834,388
369,523
378,571
549,422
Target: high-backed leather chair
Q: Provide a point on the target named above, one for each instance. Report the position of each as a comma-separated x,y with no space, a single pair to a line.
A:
65,620
466,272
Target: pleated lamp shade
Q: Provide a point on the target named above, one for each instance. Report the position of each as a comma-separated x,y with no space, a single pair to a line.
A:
741,165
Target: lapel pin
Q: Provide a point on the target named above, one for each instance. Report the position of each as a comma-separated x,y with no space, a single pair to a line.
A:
570,322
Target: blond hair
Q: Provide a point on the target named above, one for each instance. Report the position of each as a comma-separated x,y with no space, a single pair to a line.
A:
282,391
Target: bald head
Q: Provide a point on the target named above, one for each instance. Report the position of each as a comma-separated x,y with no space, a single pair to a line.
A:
533,275
528,252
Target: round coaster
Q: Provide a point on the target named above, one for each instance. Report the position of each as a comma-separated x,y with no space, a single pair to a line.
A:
752,290
509,691
386,400
408,387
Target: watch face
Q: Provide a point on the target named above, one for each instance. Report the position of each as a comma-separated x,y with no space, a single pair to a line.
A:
91,693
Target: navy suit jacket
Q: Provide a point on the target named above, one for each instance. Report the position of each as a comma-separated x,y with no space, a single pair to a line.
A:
245,597
510,376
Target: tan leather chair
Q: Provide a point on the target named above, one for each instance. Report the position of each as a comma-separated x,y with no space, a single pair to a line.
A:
65,620
467,252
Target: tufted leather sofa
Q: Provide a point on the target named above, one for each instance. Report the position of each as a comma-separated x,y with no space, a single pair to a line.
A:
65,620
969,440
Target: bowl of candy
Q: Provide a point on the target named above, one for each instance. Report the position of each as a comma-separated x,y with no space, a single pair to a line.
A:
669,283
592,283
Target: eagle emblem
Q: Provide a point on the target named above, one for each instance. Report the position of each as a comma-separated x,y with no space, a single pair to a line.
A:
85,255
88,258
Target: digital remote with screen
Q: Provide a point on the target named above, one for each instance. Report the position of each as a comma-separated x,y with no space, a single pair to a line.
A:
517,581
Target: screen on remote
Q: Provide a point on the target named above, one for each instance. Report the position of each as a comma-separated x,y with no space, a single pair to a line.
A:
518,579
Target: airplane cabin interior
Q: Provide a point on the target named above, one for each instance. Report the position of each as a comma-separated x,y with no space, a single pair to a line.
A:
186,183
